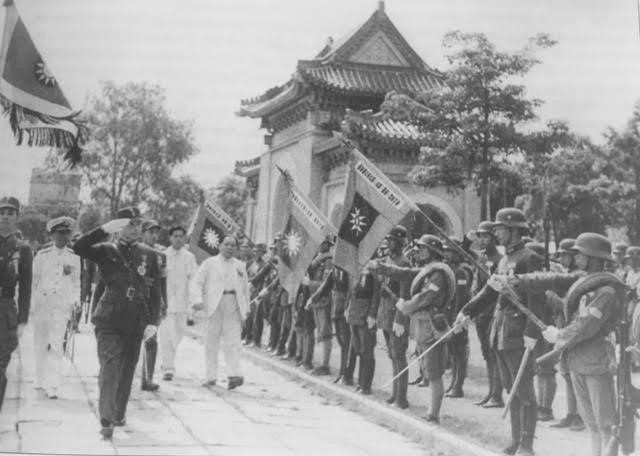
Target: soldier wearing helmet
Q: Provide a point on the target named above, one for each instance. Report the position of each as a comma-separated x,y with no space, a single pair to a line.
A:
618,253
511,332
564,254
584,341
490,257
432,289
632,258
458,345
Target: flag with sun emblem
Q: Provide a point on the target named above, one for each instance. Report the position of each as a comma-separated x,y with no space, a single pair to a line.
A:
373,205
305,227
209,227
30,94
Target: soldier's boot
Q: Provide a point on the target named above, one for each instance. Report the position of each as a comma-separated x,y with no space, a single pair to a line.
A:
323,369
454,373
437,394
3,388
403,383
308,350
394,392
550,389
529,419
461,374
350,367
486,399
496,391
149,355
299,347
369,366
516,427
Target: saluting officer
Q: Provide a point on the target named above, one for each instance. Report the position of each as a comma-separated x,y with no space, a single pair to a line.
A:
511,331
56,293
128,311
150,235
15,271
585,343
432,289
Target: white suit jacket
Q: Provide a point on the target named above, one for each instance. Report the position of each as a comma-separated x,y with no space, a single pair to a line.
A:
207,286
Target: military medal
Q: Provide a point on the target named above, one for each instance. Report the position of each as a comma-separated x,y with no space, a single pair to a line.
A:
142,269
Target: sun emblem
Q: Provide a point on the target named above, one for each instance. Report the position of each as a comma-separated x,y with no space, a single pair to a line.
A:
211,238
292,243
44,75
358,221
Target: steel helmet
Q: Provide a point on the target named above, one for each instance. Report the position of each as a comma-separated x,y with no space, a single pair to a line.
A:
485,227
593,245
511,217
565,246
536,247
432,242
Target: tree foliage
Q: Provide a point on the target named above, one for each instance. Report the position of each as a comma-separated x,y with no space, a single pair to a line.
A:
175,201
471,122
231,195
135,144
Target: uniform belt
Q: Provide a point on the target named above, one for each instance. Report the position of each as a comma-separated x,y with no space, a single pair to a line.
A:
229,292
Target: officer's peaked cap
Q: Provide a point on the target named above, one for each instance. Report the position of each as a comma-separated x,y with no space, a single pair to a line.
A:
432,242
10,202
60,224
593,245
511,217
128,212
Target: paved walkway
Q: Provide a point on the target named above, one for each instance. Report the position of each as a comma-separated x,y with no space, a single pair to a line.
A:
269,415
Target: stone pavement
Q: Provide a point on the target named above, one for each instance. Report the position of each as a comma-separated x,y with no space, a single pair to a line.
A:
269,415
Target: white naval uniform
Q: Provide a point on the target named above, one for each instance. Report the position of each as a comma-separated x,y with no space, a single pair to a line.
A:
222,286
181,269
55,290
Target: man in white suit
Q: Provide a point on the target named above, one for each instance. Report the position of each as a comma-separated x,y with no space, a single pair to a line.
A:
55,295
221,289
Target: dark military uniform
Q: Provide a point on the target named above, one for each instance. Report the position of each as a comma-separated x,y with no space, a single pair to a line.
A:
508,327
285,325
262,279
150,352
131,300
392,289
363,338
458,345
321,305
15,271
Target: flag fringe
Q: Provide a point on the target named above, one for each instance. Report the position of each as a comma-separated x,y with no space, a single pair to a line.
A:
44,132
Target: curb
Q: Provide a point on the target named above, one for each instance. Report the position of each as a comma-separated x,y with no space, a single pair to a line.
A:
399,421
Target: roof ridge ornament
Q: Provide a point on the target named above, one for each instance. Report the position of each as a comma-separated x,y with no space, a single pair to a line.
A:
381,6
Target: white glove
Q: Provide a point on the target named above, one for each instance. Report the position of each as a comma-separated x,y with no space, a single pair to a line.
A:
530,342
373,265
496,282
115,226
399,304
305,281
398,329
150,331
551,334
371,322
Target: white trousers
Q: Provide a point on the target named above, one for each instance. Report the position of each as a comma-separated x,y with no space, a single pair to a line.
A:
223,325
172,331
49,356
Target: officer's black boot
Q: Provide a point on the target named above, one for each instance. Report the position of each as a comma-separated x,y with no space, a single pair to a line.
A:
495,401
368,368
516,425
149,355
350,367
458,379
454,373
308,350
529,419
403,383
394,393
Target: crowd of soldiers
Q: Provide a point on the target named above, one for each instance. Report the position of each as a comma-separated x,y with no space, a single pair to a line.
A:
529,316
430,289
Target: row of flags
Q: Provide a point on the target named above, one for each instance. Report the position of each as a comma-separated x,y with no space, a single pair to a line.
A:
372,206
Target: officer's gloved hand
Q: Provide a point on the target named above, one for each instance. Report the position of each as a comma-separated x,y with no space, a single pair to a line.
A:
115,226
150,331
530,342
461,323
551,334
371,321
305,281
398,329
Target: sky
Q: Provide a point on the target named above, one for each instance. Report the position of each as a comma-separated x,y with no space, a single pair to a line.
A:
211,54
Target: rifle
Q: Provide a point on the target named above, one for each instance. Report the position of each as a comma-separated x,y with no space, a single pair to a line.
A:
624,429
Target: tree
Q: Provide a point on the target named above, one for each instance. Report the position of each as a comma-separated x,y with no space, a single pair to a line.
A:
471,121
623,157
134,145
231,195
33,224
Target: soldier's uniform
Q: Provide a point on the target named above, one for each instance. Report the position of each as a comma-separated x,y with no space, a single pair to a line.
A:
508,329
15,272
458,345
322,309
490,259
55,296
131,300
285,325
391,290
590,355
619,251
252,270
260,282
362,306
432,289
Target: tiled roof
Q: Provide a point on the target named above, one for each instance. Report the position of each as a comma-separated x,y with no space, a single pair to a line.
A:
270,100
365,79
247,167
381,128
